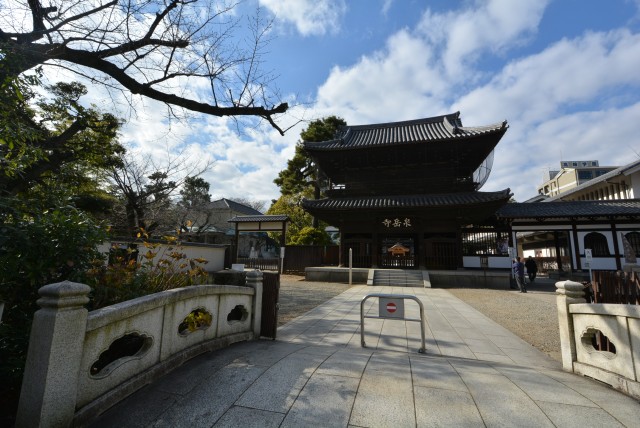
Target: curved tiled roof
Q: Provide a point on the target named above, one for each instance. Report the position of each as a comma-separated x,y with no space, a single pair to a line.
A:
407,201
618,207
438,128
256,218
234,206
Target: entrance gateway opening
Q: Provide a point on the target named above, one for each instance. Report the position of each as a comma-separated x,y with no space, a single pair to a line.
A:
397,252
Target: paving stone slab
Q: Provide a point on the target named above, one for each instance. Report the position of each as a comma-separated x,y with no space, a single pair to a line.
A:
345,363
569,416
244,417
139,410
325,401
445,408
501,403
278,387
207,403
435,372
385,395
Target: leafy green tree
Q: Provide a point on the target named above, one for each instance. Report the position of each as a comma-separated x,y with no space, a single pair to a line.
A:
290,205
41,242
55,146
195,193
311,236
300,230
301,174
193,212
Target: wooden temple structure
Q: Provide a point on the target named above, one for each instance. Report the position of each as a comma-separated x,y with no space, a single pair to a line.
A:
406,194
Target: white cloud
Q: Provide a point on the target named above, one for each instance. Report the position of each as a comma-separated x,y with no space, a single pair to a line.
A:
386,6
564,101
418,73
561,102
492,27
523,157
310,17
397,83
563,76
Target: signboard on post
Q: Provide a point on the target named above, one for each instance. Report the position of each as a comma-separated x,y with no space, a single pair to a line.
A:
588,255
390,308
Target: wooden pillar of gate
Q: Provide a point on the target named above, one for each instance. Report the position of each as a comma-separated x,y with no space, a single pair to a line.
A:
558,257
616,247
234,256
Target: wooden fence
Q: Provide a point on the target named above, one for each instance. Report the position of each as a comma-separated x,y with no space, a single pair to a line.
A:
257,263
612,287
397,262
616,287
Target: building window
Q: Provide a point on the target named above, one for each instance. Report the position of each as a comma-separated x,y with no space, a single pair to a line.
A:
634,240
585,175
597,242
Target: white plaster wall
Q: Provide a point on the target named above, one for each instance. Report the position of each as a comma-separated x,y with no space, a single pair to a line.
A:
213,255
471,261
599,263
635,185
494,262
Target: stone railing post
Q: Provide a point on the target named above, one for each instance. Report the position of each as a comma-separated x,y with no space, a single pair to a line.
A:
254,280
48,395
568,292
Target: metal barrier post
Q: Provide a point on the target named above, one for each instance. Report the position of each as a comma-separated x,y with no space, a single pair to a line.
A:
423,349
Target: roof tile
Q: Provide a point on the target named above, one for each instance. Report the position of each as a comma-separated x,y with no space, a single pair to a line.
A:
564,209
406,201
438,128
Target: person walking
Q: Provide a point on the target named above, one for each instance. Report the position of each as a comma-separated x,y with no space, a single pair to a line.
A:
532,268
518,270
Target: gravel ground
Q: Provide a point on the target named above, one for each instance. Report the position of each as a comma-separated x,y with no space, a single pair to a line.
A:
532,316
298,297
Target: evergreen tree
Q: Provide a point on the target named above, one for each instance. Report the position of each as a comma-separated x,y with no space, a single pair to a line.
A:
301,174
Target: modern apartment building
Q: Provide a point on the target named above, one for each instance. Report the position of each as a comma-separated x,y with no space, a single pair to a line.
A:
571,175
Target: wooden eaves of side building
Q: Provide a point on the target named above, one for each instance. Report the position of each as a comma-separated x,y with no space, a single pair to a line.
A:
570,227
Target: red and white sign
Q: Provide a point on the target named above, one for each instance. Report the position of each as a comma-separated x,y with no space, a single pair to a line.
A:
391,308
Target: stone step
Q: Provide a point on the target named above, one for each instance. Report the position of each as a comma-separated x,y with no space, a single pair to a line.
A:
398,278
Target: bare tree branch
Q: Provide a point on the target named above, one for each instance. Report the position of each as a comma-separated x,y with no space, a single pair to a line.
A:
148,48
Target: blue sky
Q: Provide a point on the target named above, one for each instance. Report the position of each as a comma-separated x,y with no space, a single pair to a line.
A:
565,74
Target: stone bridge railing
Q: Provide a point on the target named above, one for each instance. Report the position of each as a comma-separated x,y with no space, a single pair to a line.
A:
585,327
81,363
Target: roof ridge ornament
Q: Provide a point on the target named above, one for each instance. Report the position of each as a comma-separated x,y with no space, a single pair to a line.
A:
451,127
